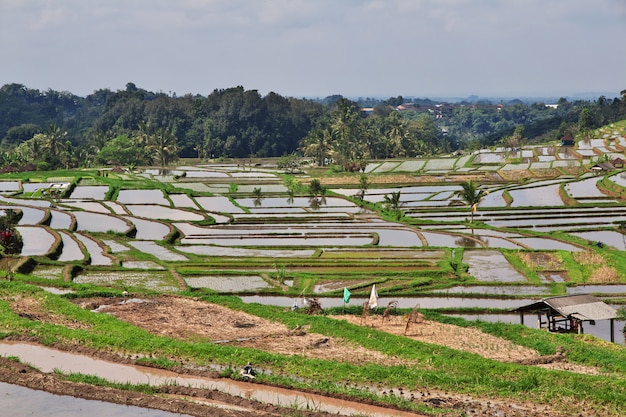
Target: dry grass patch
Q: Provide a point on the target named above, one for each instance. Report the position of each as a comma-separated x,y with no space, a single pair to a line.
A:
604,275
541,260
589,258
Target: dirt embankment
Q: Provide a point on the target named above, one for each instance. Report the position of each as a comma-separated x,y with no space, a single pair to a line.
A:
187,318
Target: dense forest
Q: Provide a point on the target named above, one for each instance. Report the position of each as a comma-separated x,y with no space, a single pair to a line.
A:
52,129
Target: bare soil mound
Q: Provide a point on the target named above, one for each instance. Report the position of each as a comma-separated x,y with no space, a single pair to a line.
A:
468,339
185,318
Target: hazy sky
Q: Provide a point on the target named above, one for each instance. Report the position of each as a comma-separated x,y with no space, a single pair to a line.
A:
315,48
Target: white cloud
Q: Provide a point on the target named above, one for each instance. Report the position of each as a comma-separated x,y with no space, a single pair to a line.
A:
315,47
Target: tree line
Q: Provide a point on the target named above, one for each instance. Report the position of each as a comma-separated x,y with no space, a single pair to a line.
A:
133,126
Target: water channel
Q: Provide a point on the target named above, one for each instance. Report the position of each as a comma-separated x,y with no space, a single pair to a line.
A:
26,402
51,360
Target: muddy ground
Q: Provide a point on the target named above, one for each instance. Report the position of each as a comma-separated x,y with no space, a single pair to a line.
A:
186,318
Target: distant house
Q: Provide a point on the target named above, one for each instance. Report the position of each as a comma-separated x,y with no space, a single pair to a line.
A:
566,314
618,162
602,167
568,141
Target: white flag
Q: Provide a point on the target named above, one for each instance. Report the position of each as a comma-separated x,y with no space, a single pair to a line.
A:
373,302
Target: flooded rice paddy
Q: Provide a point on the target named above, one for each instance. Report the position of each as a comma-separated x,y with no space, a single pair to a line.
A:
52,360
175,226
26,402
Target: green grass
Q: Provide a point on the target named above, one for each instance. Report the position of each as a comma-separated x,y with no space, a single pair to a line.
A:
434,366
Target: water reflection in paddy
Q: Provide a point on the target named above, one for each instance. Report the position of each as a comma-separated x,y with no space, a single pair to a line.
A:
597,289
50,360
182,201
115,207
156,250
95,251
218,204
584,188
37,241
9,186
93,192
539,196
97,222
244,252
149,229
295,202
23,402
607,237
547,244
228,283
157,212
71,249
142,197
25,201
265,188
30,215
284,240
491,265
403,302
451,241
504,290
320,234
60,220
92,206
619,179
206,174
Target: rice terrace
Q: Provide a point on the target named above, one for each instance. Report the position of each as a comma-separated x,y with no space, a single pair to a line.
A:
382,292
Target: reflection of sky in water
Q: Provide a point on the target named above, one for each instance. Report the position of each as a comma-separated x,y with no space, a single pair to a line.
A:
36,240
71,249
584,188
96,222
8,186
149,229
94,250
93,206
142,197
32,402
608,237
158,251
96,192
182,201
159,212
491,265
619,179
228,283
539,196
218,204
403,302
496,290
546,244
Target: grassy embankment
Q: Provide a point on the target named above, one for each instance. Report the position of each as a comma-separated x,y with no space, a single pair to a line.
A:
432,367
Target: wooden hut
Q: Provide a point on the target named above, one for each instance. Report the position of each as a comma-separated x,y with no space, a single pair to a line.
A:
568,313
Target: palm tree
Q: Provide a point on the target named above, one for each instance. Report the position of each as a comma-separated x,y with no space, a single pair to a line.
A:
162,145
471,195
319,145
54,143
392,203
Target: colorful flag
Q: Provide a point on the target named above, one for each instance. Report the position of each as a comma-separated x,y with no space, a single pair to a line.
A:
373,302
346,295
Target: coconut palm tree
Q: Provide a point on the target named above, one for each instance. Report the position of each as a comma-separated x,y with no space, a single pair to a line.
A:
392,203
471,195
162,146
